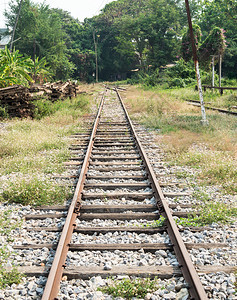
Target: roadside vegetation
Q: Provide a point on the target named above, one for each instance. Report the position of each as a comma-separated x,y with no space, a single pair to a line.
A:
32,151
209,149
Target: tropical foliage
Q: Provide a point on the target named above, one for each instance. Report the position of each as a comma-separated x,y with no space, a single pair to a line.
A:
17,69
214,44
141,34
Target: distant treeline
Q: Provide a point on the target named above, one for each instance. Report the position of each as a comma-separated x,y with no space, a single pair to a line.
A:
128,35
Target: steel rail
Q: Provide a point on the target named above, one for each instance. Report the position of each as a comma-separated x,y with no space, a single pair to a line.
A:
197,103
196,289
53,283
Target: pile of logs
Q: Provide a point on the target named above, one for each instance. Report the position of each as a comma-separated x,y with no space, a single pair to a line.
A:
56,90
19,100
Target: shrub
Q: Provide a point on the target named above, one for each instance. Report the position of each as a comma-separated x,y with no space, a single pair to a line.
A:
34,191
128,288
3,113
43,107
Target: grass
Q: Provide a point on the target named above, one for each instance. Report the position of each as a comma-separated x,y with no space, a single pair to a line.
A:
209,212
7,224
34,191
157,223
127,288
36,148
30,152
213,99
211,149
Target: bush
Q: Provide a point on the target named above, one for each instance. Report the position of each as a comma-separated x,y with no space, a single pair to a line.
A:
34,191
128,288
3,113
43,108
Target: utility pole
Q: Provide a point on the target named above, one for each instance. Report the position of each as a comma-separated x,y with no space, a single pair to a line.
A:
220,63
14,29
96,57
213,71
195,58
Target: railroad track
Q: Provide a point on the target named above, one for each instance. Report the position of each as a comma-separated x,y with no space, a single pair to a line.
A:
117,199
221,110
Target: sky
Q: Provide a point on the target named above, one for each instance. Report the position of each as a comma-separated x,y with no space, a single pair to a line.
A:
80,9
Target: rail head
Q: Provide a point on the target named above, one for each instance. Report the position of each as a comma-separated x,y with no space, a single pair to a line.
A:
196,289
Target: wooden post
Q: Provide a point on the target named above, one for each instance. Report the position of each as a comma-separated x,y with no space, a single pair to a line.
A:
220,63
96,57
14,29
213,71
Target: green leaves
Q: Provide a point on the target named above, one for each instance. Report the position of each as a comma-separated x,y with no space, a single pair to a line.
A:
14,69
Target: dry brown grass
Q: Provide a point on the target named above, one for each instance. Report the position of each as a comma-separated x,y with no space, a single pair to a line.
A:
140,101
213,149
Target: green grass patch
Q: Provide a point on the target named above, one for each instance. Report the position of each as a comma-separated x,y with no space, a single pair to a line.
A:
210,212
217,167
35,191
157,223
45,107
3,113
127,288
7,224
46,162
7,278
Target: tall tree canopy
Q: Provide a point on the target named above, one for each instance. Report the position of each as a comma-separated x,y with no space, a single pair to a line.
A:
128,34
39,33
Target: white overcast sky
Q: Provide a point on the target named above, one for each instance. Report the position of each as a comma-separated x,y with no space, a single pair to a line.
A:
80,9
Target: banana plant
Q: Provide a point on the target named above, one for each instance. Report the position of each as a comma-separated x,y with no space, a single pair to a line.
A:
40,72
14,68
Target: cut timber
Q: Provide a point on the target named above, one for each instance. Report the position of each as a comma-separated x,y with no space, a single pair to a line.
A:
120,168
104,207
119,216
108,177
117,208
89,271
115,163
115,152
111,186
108,215
96,145
92,230
113,139
118,195
106,158
146,271
122,247
127,195
45,216
103,230
73,163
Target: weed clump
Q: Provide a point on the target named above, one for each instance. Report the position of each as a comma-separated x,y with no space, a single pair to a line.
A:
209,212
7,278
157,223
128,288
11,275
34,191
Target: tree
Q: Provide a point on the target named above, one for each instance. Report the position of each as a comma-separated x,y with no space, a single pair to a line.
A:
222,14
39,33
